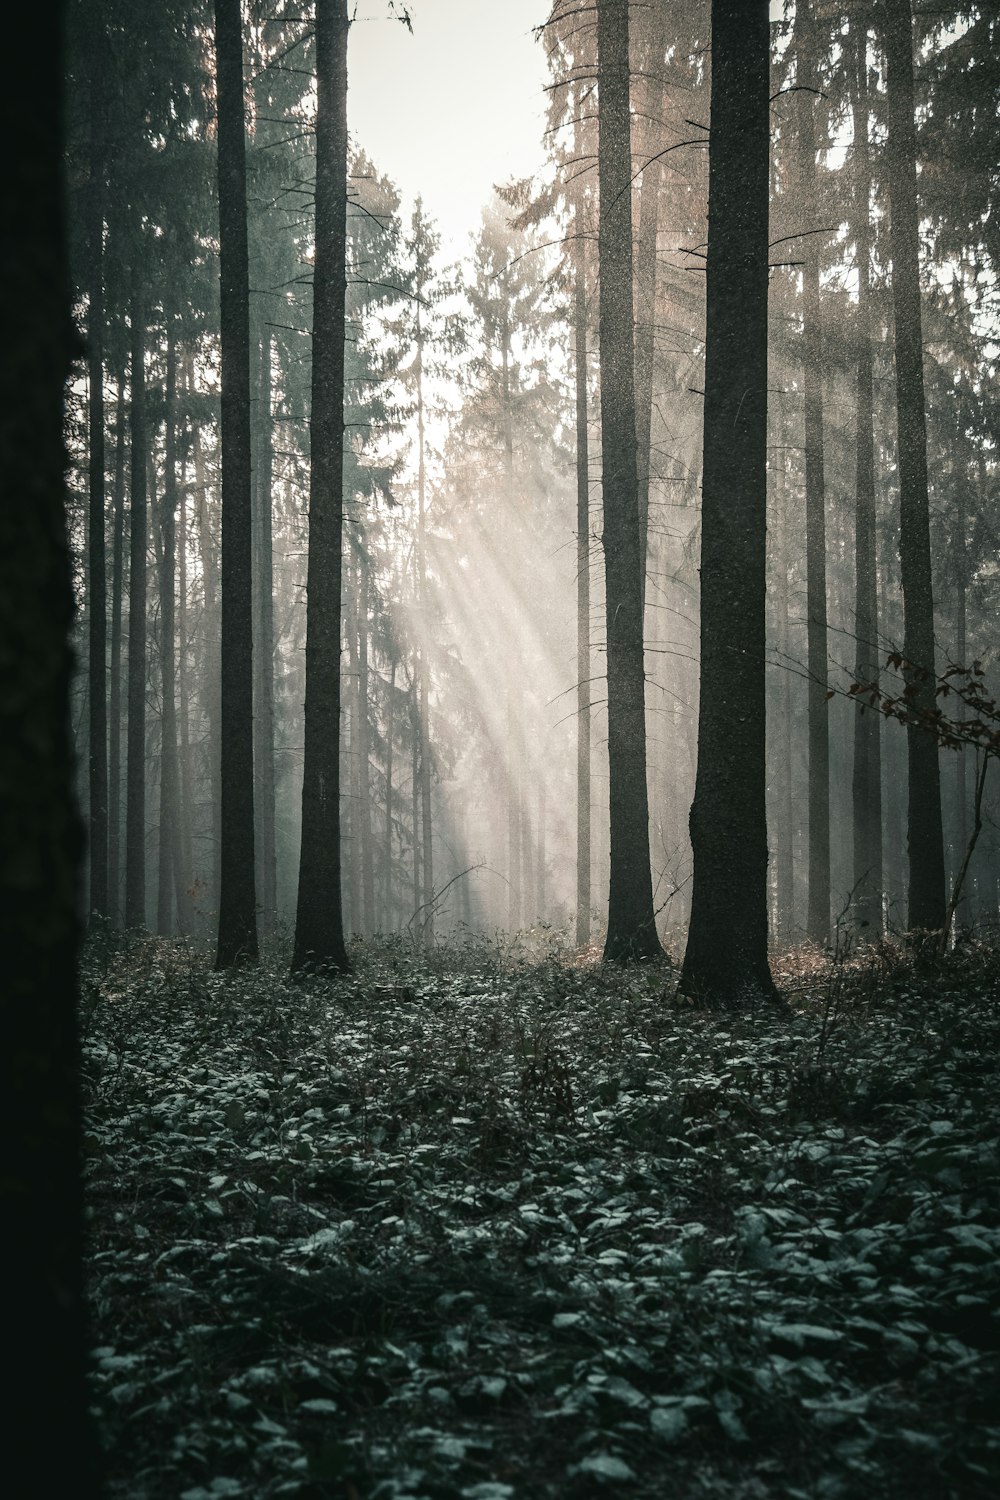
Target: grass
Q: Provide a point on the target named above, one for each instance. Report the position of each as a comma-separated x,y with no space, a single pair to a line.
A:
472,1226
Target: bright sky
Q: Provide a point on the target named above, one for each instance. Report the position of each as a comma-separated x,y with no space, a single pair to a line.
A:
452,109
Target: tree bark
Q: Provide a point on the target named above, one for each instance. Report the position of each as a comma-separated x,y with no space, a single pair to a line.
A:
631,931
583,855
651,132
115,685
96,586
726,958
47,1430
818,909
319,932
263,698
422,672
364,754
867,769
925,838
237,894
173,886
135,749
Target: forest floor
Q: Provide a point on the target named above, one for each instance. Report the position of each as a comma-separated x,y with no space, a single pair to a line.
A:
463,1225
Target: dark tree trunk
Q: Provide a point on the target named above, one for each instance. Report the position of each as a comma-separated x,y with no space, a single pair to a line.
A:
210,653
135,749
651,131
389,736
422,672
184,711
115,685
726,958
818,910
583,897
47,1431
364,754
867,770
237,894
319,928
631,925
263,720
925,839
173,884
96,588
358,923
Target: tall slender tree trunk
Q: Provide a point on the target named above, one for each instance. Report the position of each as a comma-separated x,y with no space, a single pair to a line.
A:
319,932
925,837
963,911
415,810
210,660
631,925
184,710
47,1428
390,731
263,697
96,561
173,885
726,958
867,770
818,911
583,815
135,751
651,95
423,674
115,685
356,907
237,893
364,754
513,760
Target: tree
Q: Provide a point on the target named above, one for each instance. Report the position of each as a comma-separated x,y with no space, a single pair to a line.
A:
631,930
583,709
96,587
135,748
925,839
237,894
818,919
867,766
726,957
319,925
47,1430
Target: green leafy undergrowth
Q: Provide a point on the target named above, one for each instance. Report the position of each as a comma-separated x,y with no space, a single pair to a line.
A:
487,1231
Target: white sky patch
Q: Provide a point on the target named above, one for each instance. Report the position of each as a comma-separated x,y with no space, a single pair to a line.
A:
452,109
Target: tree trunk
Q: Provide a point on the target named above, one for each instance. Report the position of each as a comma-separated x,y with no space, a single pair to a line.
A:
172,882
184,710
925,839
364,755
96,587
210,660
651,132
389,736
726,958
818,910
358,915
867,770
135,753
47,1429
583,896
237,893
263,719
631,926
319,933
115,685
422,677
